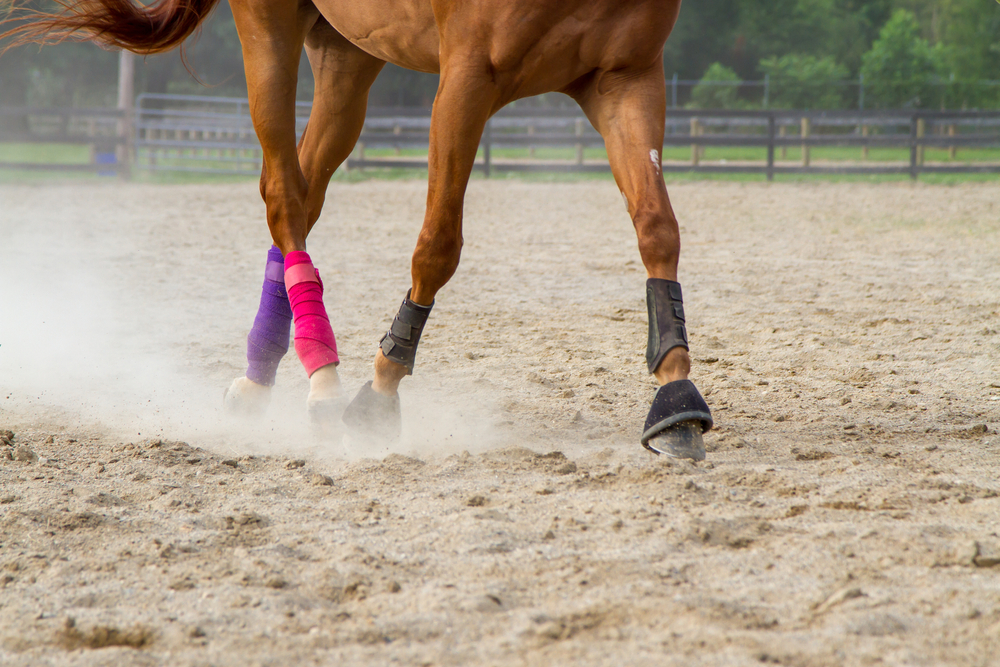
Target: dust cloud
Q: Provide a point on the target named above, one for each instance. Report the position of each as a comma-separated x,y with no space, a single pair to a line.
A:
95,331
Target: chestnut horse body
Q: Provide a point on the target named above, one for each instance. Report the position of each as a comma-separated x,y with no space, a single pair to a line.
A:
605,54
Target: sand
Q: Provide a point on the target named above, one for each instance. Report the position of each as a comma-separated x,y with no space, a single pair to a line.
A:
846,336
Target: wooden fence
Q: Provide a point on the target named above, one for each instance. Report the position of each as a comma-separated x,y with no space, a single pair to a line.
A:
215,135
771,132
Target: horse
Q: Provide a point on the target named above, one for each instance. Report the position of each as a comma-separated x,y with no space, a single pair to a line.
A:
607,55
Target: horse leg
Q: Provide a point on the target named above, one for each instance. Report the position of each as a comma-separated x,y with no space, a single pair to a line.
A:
628,108
464,102
343,74
270,66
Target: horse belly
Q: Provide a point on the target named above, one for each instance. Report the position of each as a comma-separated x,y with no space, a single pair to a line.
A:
402,32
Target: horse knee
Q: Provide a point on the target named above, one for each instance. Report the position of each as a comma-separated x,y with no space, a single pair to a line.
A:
659,238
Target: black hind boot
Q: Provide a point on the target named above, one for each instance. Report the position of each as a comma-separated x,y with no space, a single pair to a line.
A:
679,415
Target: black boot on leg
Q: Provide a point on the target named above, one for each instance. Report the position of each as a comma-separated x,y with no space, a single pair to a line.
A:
679,415
372,416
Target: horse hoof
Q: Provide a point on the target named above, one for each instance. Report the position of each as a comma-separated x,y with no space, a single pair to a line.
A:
682,441
325,417
246,398
373,416
676,421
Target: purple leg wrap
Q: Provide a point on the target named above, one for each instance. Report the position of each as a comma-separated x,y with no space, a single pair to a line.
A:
269,337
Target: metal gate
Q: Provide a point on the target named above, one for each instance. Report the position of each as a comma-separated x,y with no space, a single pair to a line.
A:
192,133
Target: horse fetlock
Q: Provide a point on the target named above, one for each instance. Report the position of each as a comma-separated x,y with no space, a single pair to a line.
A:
246,398
326,402
324,384
388,375
675,366
399,344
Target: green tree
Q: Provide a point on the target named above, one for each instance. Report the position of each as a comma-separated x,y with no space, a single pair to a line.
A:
843,29
970,33
805,82
902,68
704,34
717,89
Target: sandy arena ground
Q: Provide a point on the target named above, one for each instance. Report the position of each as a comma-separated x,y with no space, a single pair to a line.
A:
845,335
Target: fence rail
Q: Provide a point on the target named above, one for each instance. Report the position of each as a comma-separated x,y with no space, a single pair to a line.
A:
215,135
773,131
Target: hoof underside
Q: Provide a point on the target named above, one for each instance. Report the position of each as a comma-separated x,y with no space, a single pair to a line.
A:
373,416
676,421
681,441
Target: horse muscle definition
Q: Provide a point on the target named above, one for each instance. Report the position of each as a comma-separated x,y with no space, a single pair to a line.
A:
605,54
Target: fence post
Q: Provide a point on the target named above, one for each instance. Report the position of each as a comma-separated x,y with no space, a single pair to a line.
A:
784,149
673,92
913,147
695,152
126,100
579,147
397,130
805,147
767,89
952,150
864,148
770,147
921,130
531,147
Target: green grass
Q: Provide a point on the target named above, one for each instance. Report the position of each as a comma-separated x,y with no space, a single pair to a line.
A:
45,153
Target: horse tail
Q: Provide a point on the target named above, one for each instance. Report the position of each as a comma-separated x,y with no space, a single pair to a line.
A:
122,24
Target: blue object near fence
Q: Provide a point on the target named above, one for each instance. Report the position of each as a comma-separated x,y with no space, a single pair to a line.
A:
106,158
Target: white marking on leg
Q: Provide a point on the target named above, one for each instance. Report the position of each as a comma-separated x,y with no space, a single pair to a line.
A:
625,198
654,157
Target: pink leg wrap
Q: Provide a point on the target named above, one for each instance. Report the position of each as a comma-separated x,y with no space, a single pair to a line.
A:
314,340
